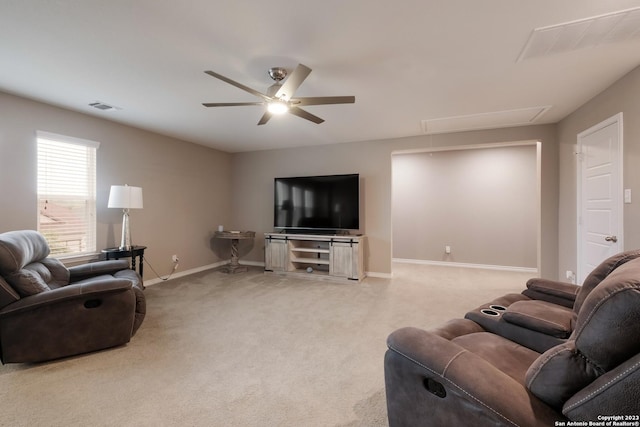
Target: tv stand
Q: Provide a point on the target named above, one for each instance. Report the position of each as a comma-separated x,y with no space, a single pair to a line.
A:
315,256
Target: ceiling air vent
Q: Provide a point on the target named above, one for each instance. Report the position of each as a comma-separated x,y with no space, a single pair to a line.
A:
102,106
610,28
490,120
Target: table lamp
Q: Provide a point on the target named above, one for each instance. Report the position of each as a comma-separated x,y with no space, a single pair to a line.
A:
125,198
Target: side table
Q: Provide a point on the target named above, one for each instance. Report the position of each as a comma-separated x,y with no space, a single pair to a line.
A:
133,253
235,237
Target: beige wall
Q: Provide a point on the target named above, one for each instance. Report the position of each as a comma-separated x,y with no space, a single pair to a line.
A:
186,186
623,96
467,199
253,173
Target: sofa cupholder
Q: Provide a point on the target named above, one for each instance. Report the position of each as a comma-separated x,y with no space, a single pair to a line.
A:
489,312
497,307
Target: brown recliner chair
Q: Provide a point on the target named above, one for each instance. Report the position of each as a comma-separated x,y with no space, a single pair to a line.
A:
544,314
48,311
461,374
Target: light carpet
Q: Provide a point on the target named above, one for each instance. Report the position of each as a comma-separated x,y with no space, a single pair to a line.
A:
249,350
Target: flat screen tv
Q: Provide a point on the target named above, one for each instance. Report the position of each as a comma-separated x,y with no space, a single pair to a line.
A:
322,203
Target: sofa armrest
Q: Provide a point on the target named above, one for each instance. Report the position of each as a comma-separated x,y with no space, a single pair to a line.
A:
455,328
86,290
431,381
541,316
91,269
561,293
8,295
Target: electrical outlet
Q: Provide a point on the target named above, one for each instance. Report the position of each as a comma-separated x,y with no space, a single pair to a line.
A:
447,249
571,276
174,258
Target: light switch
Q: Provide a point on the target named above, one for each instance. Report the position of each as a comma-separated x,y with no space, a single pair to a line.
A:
627,195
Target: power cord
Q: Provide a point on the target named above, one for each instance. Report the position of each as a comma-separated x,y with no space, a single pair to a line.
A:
175,267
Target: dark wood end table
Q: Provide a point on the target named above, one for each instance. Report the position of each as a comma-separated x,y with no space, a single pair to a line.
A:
133,253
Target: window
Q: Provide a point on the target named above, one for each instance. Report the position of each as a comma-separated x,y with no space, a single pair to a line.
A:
67,193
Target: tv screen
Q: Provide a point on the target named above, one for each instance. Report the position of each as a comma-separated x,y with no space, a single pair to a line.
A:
329,202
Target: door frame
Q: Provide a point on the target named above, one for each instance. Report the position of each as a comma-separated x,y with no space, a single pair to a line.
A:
619,180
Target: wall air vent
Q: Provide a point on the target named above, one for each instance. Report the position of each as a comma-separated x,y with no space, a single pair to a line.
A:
102,106
590,32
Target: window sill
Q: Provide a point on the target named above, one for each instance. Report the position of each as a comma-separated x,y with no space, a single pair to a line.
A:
71,260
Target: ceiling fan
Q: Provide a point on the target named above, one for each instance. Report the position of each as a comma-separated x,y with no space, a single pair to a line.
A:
279,98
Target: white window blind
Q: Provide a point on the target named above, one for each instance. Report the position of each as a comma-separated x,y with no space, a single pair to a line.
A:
67,193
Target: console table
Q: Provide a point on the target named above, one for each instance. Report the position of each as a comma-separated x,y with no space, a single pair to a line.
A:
135,251
235,237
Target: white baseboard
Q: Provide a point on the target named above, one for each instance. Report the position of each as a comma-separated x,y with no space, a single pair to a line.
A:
251,263
368,273
379,275
467,265
186,273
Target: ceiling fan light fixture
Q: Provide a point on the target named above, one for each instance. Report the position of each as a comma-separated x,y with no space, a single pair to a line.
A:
279,97
277,107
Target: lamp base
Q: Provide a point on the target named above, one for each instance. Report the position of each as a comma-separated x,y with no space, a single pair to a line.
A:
125,241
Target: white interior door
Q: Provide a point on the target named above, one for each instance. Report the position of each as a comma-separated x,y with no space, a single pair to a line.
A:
600,225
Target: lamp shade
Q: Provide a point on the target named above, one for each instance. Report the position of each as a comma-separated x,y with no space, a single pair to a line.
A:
125,197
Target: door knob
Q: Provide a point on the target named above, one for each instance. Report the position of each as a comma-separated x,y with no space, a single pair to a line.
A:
611,239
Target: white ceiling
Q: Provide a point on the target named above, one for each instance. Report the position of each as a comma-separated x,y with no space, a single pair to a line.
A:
409,63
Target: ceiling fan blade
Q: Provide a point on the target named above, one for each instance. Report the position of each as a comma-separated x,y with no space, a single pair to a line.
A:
238,85
321,100
305,115
265,118
293,82
230,104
